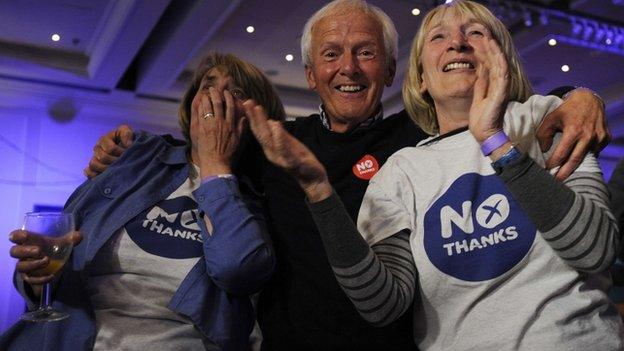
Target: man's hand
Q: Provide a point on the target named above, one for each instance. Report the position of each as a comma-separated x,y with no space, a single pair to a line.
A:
30,258
581,118
108,148
288,153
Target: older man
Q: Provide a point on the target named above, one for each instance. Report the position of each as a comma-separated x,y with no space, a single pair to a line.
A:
349,50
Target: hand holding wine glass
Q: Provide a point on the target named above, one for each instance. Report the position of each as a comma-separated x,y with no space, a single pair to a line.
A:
42,247
31,260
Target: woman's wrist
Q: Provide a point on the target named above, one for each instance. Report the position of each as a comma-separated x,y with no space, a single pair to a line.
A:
214,169
493,141
210,178
500,151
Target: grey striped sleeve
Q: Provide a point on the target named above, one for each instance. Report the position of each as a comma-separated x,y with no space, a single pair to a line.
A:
380,281
381,286
616,187
573,217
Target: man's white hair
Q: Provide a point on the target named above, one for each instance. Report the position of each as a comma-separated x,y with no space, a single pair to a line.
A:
390,35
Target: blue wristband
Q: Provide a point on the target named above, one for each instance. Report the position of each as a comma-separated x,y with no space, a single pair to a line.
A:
508,158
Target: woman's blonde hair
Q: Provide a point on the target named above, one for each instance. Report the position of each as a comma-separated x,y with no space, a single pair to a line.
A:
419,106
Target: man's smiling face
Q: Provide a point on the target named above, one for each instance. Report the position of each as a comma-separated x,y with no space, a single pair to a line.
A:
349,67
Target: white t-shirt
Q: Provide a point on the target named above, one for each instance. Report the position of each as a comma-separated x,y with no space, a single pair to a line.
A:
486,278
138,270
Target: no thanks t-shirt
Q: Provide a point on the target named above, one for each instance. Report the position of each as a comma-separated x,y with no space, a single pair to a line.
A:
136,273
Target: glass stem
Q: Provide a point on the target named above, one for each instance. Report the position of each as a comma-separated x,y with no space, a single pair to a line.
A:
46,298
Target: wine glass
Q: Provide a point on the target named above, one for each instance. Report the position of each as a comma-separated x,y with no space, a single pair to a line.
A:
51,231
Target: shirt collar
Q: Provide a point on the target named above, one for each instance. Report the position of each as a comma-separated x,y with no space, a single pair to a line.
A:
173,155
364,124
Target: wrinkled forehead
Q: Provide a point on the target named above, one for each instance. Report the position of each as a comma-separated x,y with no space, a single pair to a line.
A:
445,14
221,72
344,19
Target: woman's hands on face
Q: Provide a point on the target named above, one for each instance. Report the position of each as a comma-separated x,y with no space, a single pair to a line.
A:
215,131
288,153
490,91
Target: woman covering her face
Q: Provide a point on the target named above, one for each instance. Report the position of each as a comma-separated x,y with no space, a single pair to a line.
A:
173,237
468,225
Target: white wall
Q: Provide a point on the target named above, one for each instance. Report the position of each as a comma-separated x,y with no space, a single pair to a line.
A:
42,158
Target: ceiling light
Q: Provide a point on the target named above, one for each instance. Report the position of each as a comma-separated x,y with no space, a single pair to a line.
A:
289,57
250,29
415,12
55,37
610,35
552,42
528,21
565,68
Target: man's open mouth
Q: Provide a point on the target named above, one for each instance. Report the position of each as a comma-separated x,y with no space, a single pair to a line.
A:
352,88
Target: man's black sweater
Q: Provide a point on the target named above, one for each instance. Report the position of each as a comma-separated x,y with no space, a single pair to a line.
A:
302,307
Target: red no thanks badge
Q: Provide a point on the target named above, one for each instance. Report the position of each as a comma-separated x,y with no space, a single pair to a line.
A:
366,167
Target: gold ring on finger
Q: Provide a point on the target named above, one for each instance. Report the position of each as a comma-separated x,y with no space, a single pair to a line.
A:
208,115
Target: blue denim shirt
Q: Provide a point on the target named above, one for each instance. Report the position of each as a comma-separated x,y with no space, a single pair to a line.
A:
237,259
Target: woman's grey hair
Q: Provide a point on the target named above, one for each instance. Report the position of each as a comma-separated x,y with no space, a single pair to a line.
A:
390,35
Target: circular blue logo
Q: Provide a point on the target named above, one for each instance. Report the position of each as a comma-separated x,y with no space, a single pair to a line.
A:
169,229
476,231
